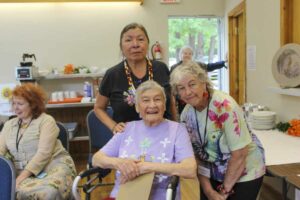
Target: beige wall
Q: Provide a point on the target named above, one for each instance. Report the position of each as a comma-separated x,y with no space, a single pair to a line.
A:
263,31
83,33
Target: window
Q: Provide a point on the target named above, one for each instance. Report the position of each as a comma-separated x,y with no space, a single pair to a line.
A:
204,35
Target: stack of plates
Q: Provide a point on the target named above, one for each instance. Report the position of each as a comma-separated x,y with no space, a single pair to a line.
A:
262,120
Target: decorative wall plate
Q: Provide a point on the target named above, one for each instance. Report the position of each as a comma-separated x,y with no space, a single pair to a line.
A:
286,66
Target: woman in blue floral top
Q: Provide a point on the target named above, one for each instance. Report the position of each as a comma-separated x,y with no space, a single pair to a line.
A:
231,162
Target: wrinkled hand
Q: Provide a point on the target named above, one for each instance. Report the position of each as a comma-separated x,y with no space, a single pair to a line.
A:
128,169
19,181
216,196
119,127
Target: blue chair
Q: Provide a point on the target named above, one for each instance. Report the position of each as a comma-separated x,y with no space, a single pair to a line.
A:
8,179
98,133
63,135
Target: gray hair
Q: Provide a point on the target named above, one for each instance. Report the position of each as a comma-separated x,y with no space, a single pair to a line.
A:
185,48
148,85
190,68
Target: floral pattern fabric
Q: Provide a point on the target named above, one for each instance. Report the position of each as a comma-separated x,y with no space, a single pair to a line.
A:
226,131
56,184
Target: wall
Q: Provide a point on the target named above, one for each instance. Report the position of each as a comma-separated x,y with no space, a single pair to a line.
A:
263,31
83,33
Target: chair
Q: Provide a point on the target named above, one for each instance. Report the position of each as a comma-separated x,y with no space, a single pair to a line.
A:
63,135
88,188
8,179
99,135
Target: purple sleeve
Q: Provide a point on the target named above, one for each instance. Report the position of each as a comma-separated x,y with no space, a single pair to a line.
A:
183,146
113,145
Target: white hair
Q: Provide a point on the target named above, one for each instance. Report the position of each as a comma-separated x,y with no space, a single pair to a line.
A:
190,68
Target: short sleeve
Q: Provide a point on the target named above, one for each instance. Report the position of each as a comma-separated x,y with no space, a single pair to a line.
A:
236,131
113,145
183,146
106,85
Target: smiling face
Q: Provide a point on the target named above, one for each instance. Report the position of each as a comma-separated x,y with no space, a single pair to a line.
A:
151,106
191,90
134,45
21,108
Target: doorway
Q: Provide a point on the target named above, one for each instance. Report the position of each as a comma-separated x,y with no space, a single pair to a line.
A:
237,55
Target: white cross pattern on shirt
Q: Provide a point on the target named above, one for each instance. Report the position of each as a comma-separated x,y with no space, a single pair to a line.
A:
128,141
165,142
124,154
162,158
161,177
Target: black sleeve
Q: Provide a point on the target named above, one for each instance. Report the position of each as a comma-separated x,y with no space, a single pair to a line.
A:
106,84
217,65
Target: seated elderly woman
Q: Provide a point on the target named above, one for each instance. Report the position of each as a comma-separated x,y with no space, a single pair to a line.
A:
153,144
44,168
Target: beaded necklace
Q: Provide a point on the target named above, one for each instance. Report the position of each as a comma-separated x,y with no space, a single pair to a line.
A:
129,77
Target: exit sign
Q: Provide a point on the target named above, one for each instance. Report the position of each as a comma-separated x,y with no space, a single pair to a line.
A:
169,1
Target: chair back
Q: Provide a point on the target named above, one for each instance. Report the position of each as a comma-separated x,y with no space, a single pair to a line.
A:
8,179
63,135
99,134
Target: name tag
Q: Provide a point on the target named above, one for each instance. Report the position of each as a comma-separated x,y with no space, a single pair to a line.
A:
41,175
204,171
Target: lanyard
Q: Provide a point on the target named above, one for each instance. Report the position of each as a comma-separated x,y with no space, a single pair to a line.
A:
18,139
128,74
203,143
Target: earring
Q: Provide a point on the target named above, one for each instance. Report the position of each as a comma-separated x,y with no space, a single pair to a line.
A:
205,94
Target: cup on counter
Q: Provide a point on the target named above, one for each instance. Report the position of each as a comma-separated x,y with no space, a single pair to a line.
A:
67,94
60,96
73,94
54,96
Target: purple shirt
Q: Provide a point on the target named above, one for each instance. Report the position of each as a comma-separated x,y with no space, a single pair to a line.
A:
167,142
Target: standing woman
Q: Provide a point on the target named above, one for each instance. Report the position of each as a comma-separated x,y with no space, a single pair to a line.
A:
186,55
120,82
230,158
45,170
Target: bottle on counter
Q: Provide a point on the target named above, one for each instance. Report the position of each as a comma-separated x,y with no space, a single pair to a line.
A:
87,89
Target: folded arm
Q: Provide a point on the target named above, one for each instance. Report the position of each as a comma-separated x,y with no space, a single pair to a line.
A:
186,168
127,167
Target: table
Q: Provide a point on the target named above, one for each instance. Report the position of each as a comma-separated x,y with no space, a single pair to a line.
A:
282,156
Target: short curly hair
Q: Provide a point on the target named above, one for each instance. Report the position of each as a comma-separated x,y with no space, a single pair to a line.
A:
34,95
190,68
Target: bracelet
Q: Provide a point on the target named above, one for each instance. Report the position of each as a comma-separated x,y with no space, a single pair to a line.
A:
221,188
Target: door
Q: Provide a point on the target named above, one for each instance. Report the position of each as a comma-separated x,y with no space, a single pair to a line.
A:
237,53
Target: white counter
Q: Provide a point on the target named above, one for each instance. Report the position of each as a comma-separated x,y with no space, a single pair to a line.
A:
280,148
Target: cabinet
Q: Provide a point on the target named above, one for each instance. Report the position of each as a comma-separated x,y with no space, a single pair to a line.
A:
70,112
